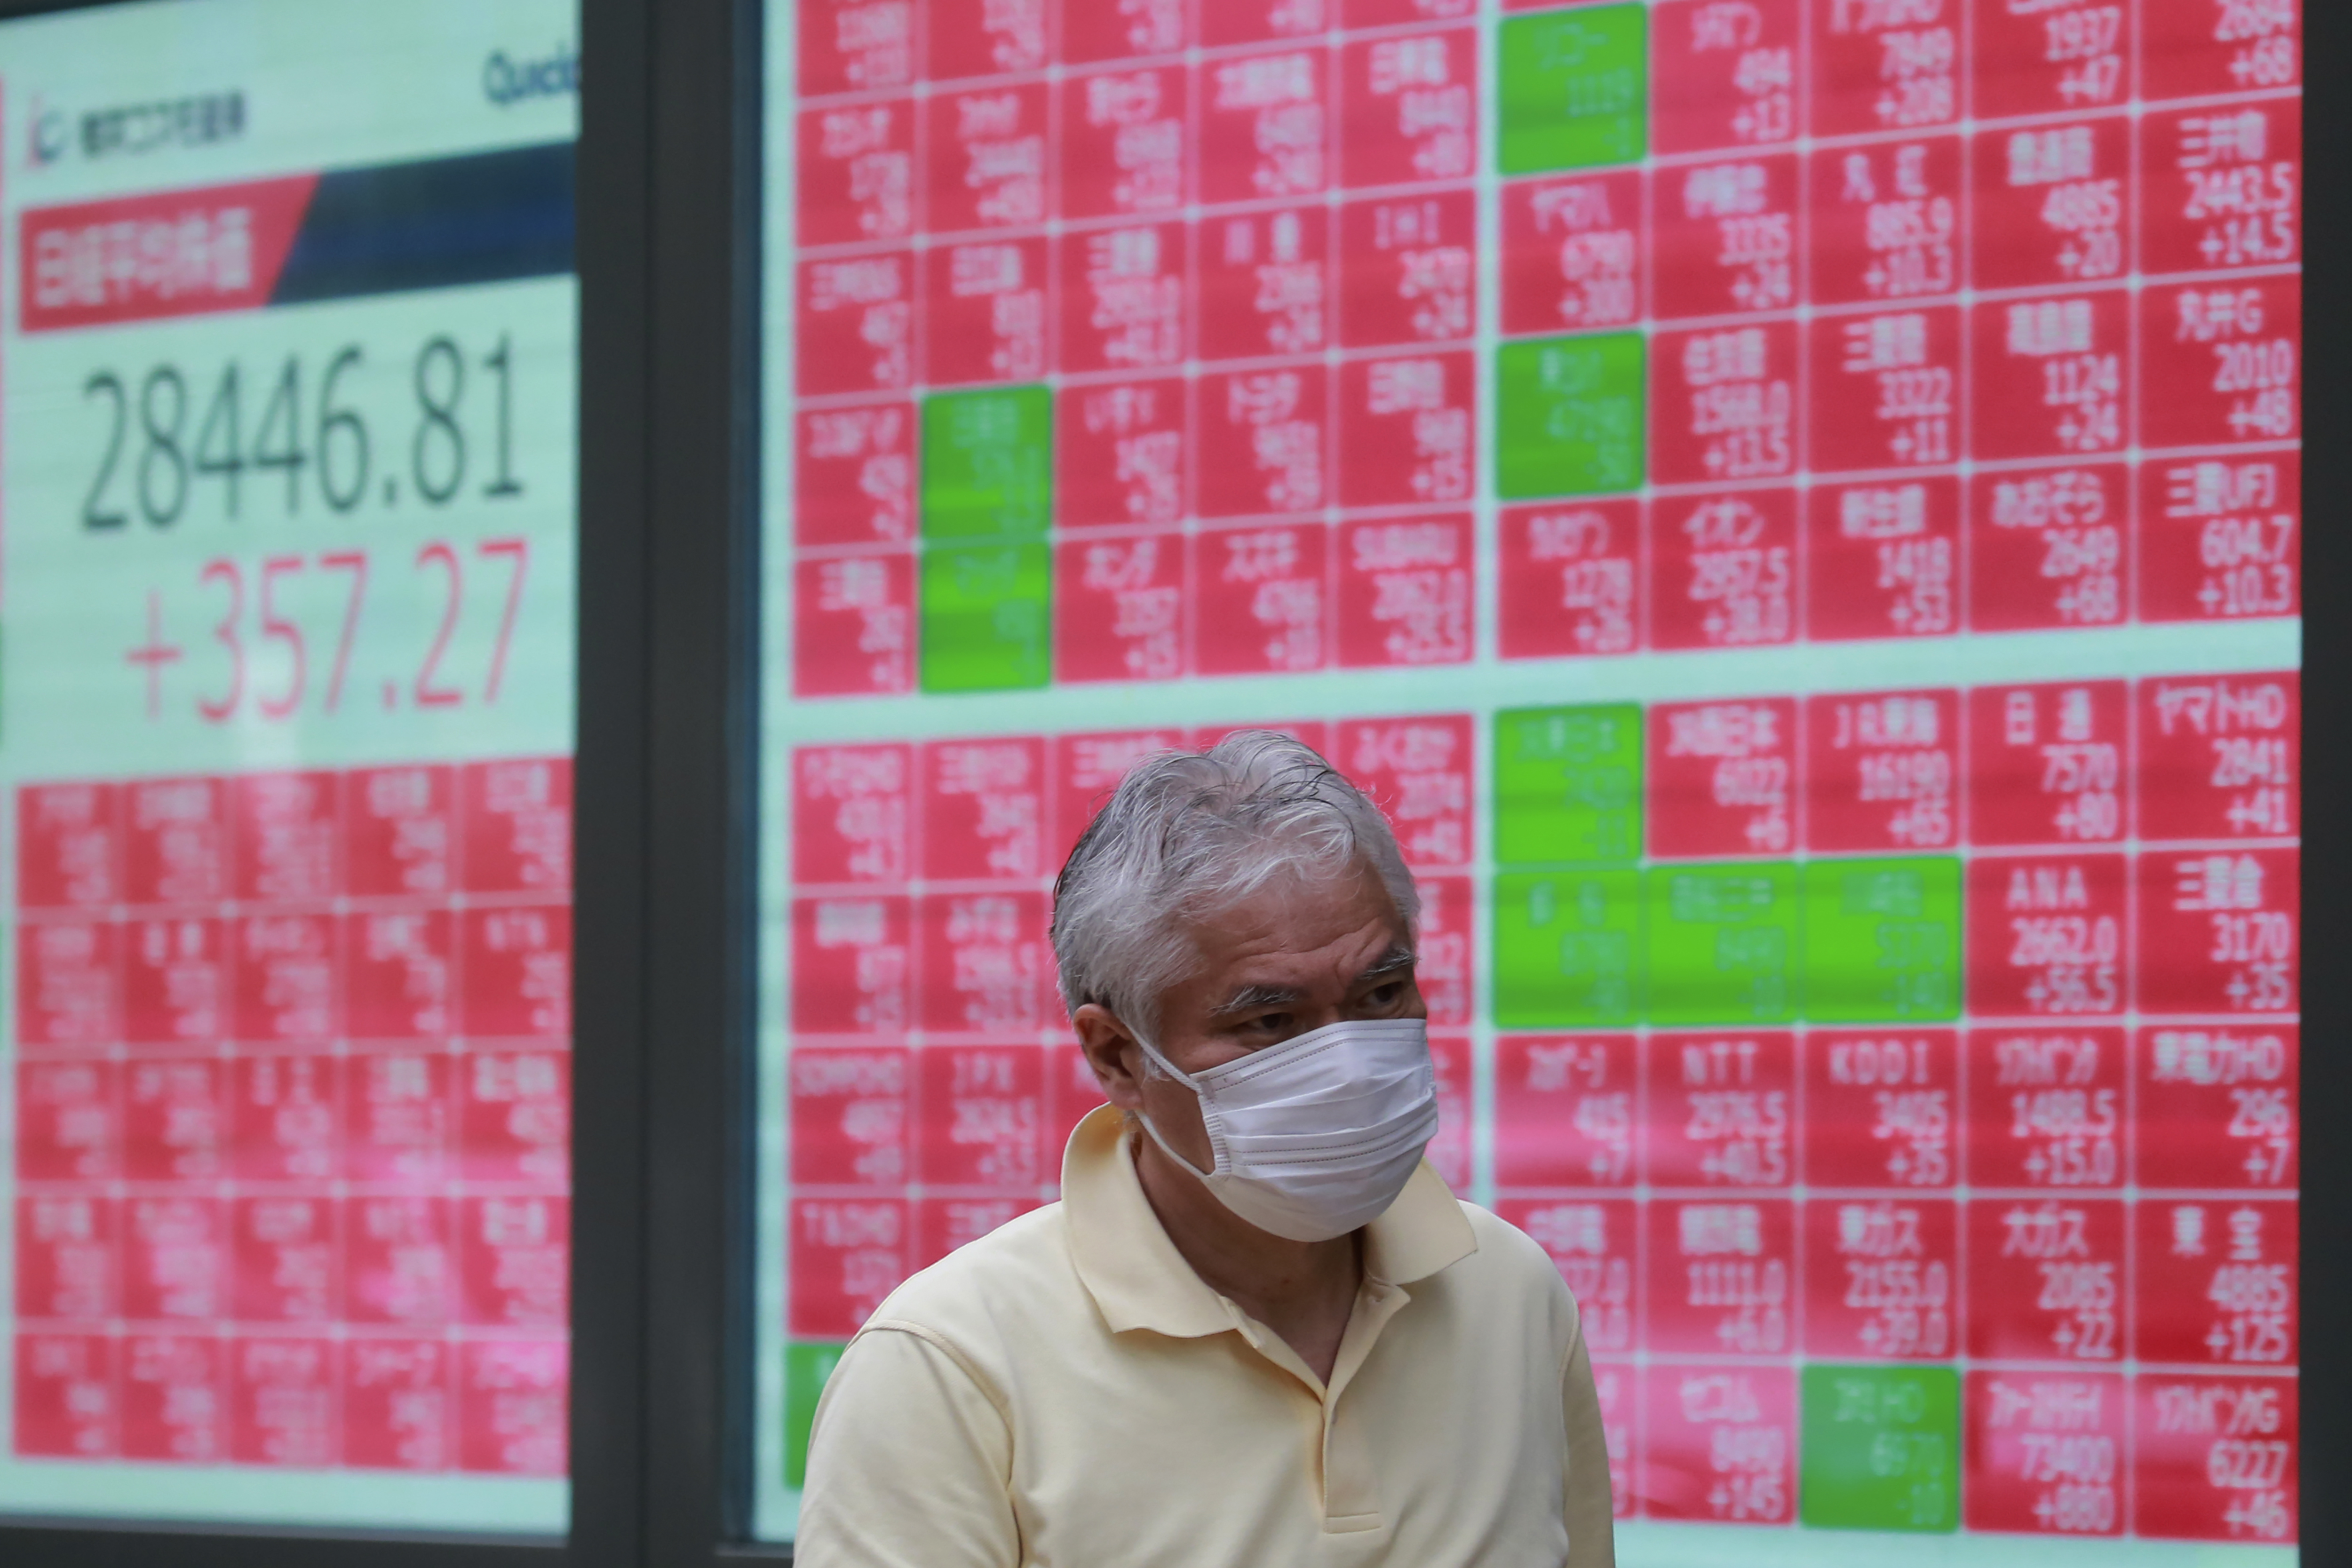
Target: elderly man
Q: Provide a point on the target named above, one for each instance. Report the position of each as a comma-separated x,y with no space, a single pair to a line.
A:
1257,1329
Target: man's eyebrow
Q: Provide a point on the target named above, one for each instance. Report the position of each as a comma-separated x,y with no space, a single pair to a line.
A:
1249,998
1395,961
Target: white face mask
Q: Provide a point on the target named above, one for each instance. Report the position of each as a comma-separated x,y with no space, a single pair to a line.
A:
1318,1135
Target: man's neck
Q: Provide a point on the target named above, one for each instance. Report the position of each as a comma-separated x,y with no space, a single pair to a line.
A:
1303,1290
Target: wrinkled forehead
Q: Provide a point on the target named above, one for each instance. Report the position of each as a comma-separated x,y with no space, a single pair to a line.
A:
1296,930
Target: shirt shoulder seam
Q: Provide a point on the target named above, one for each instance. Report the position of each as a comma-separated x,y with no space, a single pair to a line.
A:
949,1349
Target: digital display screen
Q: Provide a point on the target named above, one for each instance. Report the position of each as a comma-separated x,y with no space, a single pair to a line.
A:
1793,507
288,344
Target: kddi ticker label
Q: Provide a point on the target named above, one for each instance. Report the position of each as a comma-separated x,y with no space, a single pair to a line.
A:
1793,507
287,446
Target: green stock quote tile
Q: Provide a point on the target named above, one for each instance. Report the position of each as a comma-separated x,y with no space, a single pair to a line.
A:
807,1363
988,464
1883,940
1567,785
1567,949
987,614
1575,88
1880,1447
1568,416
1723,942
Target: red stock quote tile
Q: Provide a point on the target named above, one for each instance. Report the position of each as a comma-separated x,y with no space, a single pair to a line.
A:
1882,1279
1406,429
1719,1444
400,1260
1122,610
2046,1107
1263,602
1265,284
1571,579
2051,377
852,626
2220,756
1884,222
69,1120
986,157
1124,453
1885,389
1118,32
986,38
284,1252
2221,363
513,1406
857,172
851,966
2048,765
1263,436
2053,61
1725,77
68,983
2221,538
1882,770
177,1119
2219,931
1086,768
1265,126
1125,293
986,966
1229,22
2221,188
175,981
170,1398
1404,591
1565,1110
2046,1279
69,846
518,815
852,474
2046,1452
515,1260
69,1255
286,979
518,964
856,45
2053,204
984,317
854,323
287,833
398,1406
1572,252
984,806
1881,1110
2049,547
400,831
1408,107
1419,771
1881,69
2198,50
1721,1112
175,1259
852,1117
1723,404
1882,560
1724,569
398,1110
1722,1276
2047,936
1594,1242
2218,1283
2216,1459
514,1117
66,1397
1124,140
285,1116
2217,1107
845,1255
982,1110
397,974
1407,268
175,841
1724,237
1723,777
853,814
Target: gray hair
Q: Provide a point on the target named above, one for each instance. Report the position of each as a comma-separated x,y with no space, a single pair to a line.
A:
1187,835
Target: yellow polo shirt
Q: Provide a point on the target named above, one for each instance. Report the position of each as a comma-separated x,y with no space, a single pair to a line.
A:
1066,1392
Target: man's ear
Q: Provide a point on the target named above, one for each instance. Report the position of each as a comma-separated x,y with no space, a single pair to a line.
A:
1113,1053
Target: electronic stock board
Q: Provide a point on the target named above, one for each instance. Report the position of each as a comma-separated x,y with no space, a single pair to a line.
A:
1791,505
286,412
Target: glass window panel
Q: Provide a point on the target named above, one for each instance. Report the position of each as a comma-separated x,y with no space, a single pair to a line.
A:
286,454
1793,507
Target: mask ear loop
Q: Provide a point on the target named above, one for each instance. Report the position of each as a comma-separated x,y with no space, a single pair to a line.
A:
1180,1076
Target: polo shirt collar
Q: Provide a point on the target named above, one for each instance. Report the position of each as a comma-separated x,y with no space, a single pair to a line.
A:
1138,1279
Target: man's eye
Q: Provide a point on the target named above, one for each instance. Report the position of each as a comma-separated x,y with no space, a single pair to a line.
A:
1268,1024
1385,995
